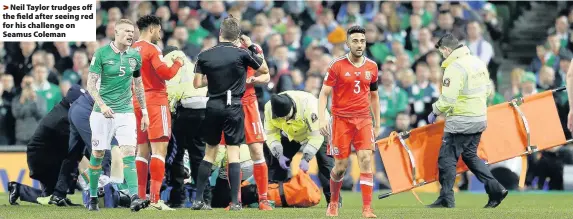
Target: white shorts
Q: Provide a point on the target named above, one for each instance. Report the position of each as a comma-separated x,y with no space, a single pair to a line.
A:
122,127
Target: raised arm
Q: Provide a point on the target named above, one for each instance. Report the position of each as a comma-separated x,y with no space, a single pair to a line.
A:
164,72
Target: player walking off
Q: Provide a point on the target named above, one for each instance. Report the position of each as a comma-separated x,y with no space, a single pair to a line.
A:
110,77
254,131
352,80
154,73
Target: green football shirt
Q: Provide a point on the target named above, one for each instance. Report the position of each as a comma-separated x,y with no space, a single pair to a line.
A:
116,75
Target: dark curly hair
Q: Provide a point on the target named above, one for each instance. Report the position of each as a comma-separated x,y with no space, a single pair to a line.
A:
148,20
355,29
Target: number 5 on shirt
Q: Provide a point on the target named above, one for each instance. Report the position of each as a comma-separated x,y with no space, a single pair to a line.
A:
122,71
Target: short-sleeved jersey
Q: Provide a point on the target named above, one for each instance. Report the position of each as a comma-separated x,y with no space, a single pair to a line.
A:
351,86
116,75
151,59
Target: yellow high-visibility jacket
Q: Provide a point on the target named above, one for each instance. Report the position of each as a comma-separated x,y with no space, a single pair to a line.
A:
465,88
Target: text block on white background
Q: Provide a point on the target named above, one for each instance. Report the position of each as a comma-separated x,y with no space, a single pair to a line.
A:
40,20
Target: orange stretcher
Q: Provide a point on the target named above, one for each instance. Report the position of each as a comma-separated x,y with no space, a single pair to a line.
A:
516,128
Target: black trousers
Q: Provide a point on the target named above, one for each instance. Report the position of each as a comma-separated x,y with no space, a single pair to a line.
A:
187,129
290,148
454,145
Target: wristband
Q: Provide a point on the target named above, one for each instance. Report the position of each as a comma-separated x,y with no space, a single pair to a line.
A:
253,48
144,112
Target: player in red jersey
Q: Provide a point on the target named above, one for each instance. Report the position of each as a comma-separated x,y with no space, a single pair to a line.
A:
154,72
254,131
352,80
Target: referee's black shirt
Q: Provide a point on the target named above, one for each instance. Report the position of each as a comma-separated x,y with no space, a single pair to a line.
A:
225,66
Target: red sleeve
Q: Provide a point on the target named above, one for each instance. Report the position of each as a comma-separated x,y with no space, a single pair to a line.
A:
331,76
374,73
161,68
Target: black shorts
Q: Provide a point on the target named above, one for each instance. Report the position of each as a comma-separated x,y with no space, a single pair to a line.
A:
226,119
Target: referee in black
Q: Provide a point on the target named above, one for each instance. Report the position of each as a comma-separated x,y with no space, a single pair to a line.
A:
225,69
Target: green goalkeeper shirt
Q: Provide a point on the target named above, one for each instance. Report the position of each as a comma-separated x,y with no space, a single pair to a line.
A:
116,75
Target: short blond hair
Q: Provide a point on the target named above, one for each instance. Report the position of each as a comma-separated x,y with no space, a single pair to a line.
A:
123,21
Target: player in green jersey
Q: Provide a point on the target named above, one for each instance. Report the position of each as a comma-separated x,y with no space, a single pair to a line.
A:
112,70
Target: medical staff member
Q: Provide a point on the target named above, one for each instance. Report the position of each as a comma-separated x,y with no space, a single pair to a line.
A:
291,126
463,102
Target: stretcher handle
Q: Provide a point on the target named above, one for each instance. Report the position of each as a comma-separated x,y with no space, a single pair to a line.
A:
385,195
401,137
515,103
410,154
559,89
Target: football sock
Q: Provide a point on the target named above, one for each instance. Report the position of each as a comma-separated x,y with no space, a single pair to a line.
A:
142,170
366,183
261,174
95,172
157,168
335,186
235,181
130,175
202,178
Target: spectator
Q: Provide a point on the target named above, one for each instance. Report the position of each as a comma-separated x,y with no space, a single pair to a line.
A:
313,84
39,58
181,34
445,24
422,94
492,23
28,109
564,62
20,64
412,33
63,56
562,32
393,99
528,85
216,12
195,32
546,78
540,59
47,91
377,44
478,46
8,84
425,43
80,60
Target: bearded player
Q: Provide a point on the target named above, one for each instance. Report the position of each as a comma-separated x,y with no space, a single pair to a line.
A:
113,70
154,72
352,81
254,131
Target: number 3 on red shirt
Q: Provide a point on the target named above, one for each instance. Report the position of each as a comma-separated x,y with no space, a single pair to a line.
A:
357,87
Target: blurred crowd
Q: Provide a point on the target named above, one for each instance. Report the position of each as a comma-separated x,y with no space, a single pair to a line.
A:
299,39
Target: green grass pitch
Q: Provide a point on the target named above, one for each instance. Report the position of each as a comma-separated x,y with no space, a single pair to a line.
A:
468,205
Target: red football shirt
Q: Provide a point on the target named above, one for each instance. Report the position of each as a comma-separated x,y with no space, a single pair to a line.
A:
250,88
154,72
351,86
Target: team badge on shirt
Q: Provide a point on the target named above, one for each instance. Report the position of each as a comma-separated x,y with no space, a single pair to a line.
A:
132,63
313,117
368,75
446,82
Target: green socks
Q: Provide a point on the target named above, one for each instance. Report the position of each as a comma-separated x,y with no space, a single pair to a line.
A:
94,173
130,174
